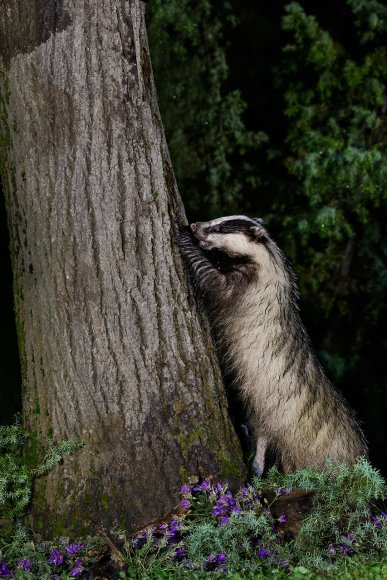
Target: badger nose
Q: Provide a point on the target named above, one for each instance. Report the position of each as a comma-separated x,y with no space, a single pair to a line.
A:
193,227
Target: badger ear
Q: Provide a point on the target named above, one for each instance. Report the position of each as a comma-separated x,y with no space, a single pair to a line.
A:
259,221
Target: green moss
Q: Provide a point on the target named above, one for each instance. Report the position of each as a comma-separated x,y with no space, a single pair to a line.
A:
183,473
187,441
230,469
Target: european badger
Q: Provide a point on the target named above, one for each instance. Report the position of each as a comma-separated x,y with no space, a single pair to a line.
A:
252,297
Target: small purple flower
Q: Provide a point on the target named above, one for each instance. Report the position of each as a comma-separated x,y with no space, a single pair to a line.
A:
212,558
224,521
262,553
56,557
282,519
376,521
383,515
185,504
185,489
206,485
244,491
73,549
236,510
25,564
283,490
78,568
5,572
331,551
179,553
345,549
220,487
163,528
222,558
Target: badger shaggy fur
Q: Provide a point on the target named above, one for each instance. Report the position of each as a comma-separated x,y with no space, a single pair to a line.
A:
251,294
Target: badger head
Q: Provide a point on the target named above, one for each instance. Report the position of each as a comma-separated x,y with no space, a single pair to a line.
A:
235,235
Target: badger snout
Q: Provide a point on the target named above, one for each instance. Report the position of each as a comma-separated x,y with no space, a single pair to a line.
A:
201,234
198,230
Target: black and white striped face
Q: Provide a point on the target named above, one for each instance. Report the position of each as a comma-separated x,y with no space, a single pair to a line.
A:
235,235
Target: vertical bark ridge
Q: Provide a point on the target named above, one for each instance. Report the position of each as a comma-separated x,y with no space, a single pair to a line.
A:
115,353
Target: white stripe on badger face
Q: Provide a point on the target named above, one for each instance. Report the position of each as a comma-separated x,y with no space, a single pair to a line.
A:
229,218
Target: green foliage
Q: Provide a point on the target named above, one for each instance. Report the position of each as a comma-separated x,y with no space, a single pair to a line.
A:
234,535
342,535
18,470
340,515
336,158
204,124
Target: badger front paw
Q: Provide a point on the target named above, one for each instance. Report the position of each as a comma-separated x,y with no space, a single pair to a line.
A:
184,236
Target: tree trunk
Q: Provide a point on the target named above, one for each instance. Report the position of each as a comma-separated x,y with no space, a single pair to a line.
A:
113,349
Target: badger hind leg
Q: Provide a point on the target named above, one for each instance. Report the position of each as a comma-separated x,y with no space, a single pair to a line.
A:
258,465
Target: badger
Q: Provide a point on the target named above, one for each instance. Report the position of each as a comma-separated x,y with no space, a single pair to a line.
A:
251,295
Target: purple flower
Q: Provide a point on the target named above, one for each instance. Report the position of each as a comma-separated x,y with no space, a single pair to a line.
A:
179,553
220,487
25,564
73,549
224,521
236,510
383,515
56,557
5,572
331,551
163,527
222,558
212,558
283,490
345,549
262,553
185,504
244,491
376,521
185,489
205,485
78,568
282,519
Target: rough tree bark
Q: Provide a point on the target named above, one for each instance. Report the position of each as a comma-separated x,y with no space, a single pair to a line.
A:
113,350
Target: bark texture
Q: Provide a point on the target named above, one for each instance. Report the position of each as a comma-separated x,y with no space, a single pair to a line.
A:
113,349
